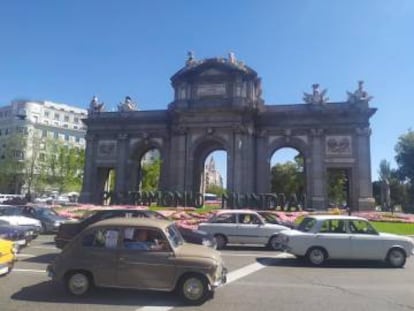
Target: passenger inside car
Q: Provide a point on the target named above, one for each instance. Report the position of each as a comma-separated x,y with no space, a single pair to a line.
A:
142,239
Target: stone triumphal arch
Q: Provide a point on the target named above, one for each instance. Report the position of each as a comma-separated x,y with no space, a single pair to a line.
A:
217,105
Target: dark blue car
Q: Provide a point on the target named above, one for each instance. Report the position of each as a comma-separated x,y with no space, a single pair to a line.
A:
19,235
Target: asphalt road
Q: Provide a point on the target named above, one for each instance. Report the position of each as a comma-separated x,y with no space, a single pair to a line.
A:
258,280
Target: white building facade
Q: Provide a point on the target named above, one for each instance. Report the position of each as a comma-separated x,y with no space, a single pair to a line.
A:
46,120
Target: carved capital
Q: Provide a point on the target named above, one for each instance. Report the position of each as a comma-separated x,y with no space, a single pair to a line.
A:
317,131
122,136
90,137
363,131
179,130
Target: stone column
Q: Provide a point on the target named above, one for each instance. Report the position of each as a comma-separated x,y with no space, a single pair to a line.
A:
178,175
237,165
262,164
89,174
317,171
365,199
121,168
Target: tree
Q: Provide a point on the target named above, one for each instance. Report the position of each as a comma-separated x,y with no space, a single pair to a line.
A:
150,175
405,161
63,166
12,163
336,187
405,155
287,178
219,191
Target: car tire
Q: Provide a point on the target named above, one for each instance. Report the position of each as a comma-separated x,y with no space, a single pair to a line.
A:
316,256
396,258
78,283
221,241
194,289
274,243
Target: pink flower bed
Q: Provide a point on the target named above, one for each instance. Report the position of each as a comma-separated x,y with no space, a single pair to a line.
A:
186,217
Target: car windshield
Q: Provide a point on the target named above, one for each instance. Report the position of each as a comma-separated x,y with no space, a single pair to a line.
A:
47,212
174,236
270,218
306,224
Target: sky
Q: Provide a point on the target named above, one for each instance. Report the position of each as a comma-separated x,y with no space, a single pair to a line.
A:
69,50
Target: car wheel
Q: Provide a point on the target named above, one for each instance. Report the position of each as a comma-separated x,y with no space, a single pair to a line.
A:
221,241
274,243
194,289
396,258
316,256
78,283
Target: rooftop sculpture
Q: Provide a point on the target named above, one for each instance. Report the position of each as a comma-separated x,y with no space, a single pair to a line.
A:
127,105
359,95
317,97
95,106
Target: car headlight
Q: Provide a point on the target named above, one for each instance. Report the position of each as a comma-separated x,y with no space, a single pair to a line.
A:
56,223
15,248
206,242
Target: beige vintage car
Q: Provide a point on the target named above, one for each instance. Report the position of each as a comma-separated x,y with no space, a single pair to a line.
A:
138,253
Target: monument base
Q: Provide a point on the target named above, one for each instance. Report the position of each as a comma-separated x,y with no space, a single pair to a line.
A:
366,204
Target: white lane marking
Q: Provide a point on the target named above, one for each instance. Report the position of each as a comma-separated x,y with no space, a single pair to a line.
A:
25,255
155,308
231,277
44,247
245,254
29,270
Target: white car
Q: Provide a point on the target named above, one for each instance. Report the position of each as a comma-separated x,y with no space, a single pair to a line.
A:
23,221
322,237
242,227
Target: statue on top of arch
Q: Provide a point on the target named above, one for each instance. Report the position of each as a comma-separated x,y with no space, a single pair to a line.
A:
127,105
317,96
359,95
95,106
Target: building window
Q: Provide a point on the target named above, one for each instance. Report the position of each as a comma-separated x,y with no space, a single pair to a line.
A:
66,119
65,126
0,132
56,123
44,133
57,116
35,119
76,120
46,122
75,127
55,135
46,114
77,139
41,156
66,137
6,132
19,155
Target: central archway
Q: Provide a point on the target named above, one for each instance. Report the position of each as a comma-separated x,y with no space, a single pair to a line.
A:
202,151
288,178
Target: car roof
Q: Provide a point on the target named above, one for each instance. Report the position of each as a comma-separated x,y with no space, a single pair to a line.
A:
343,217
132,221
236,211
